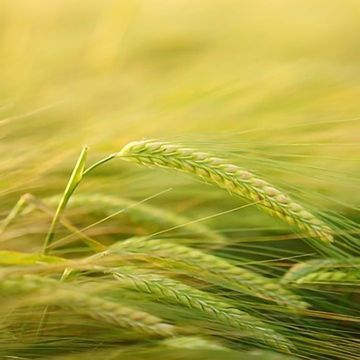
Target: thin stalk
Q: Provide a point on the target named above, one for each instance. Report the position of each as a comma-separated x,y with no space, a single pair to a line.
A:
72,184
98,163
13,213
76,176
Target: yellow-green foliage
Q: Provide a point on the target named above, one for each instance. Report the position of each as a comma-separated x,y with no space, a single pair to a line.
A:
272,86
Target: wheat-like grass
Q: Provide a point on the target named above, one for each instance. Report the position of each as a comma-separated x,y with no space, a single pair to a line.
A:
176,348
212,269
176,292
227,176
51,292
193,343
331,277
20,258
113,313
345,271
198,343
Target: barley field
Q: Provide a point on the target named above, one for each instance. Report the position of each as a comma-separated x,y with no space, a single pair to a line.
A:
179,179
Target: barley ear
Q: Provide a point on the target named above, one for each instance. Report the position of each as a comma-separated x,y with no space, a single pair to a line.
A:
173,291
229,177
210,268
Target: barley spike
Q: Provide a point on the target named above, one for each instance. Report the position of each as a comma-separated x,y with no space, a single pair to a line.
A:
52,292
213,269
174,291
229,177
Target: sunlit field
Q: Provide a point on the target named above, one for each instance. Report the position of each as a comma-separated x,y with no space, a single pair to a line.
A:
179,179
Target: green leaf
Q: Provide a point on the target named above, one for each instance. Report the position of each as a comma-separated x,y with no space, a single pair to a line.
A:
21,258
74,181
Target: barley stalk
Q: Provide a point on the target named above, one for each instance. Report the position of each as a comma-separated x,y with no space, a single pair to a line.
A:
331,277
176,292
114,313
227,176
180,347
213,269
193,343
324,271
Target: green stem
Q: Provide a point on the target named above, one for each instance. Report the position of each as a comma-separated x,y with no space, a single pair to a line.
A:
74,181
72,184
13,213
100,162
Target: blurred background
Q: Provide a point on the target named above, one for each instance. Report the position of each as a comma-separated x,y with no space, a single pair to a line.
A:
274,84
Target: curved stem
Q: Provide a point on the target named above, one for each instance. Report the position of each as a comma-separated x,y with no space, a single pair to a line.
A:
98,163
74,181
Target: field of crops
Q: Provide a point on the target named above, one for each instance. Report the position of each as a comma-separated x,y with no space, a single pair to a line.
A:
179,179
